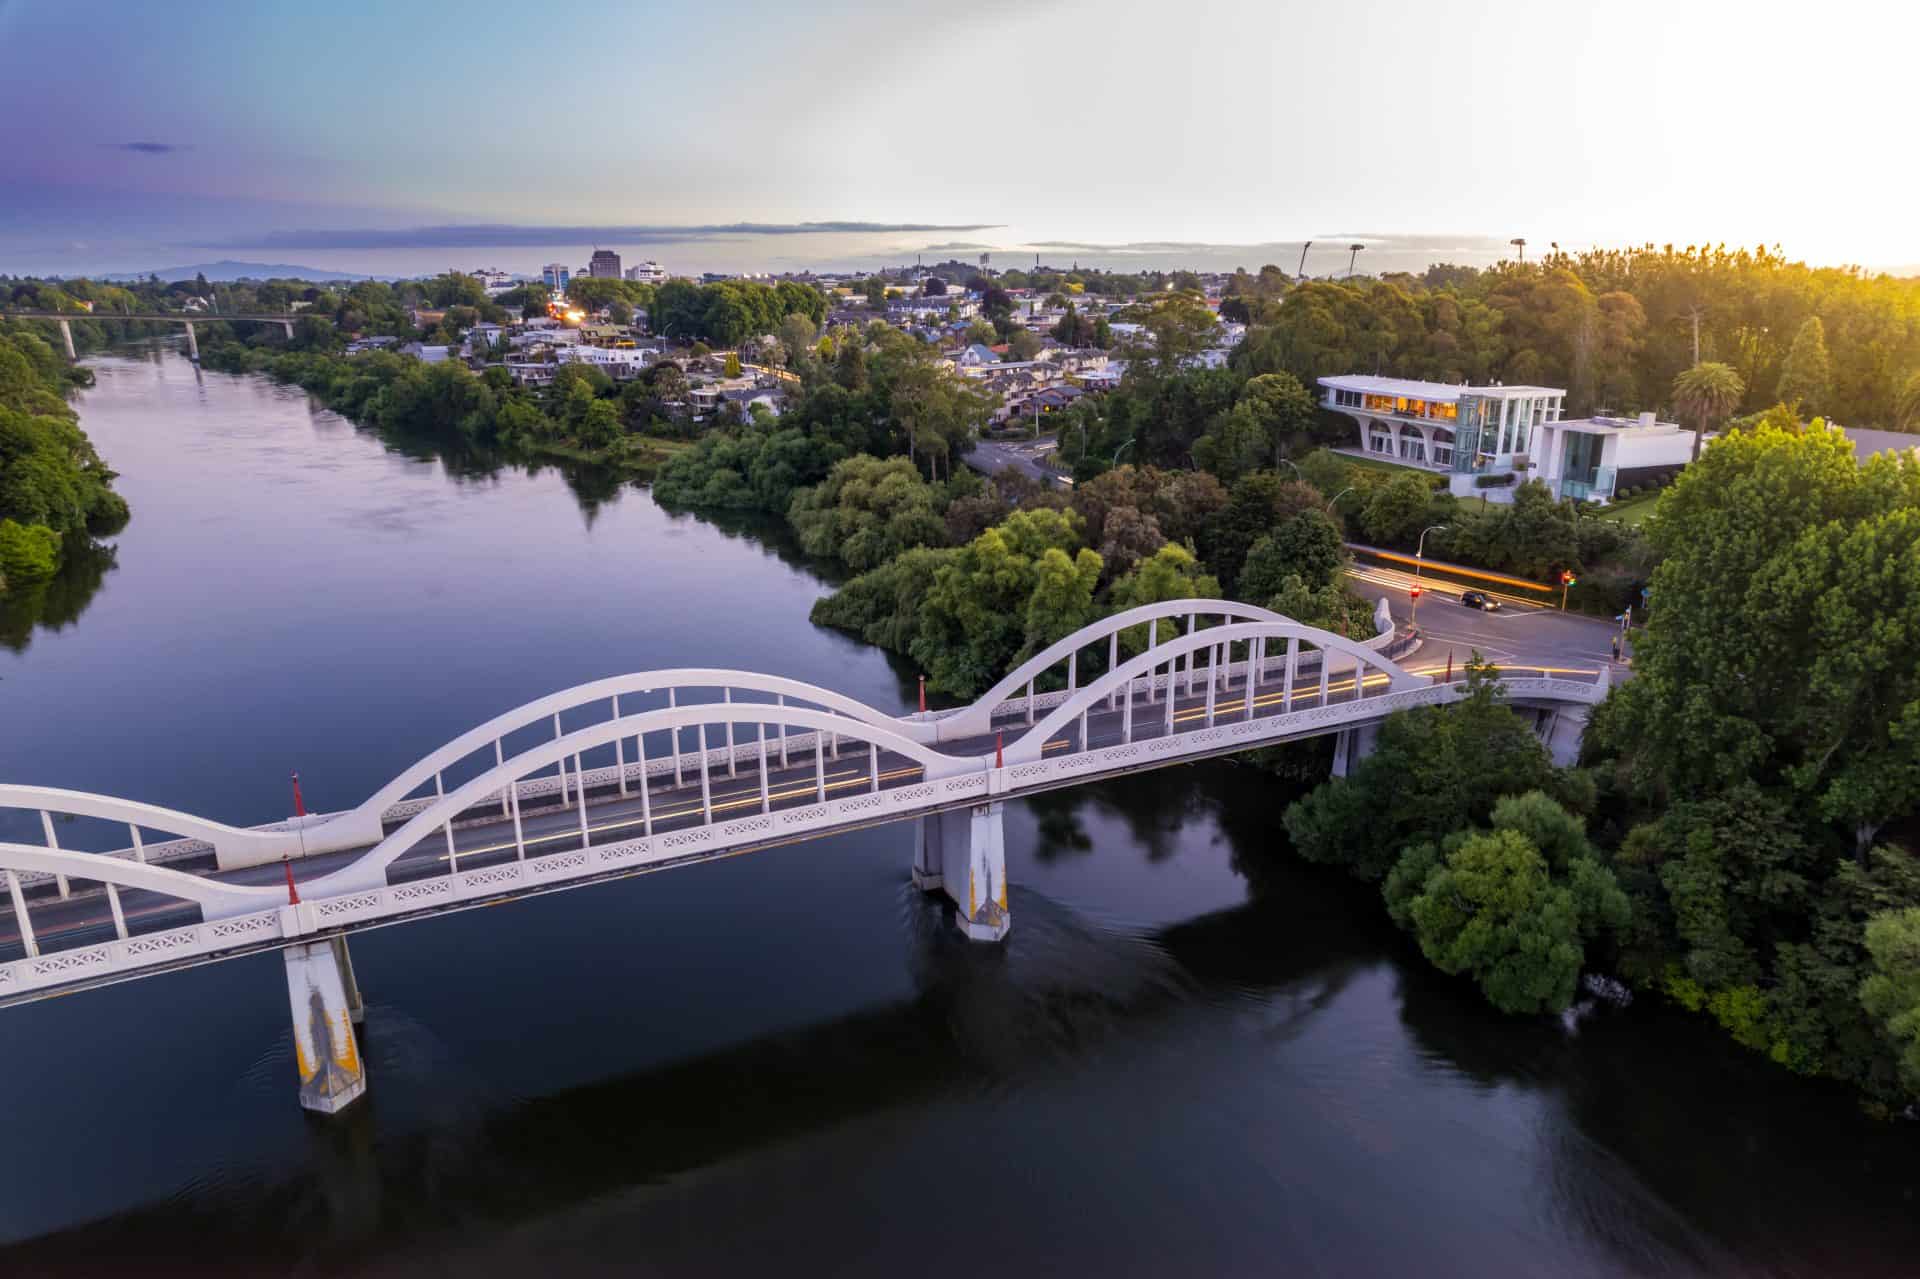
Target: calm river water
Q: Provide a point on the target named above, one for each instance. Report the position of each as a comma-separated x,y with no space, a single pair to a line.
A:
1194,1055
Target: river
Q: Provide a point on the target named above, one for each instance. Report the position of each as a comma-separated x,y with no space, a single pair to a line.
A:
1194,1054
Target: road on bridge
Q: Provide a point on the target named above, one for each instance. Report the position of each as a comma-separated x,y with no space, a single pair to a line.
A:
487,838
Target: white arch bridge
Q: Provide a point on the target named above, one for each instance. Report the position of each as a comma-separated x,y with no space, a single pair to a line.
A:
662,769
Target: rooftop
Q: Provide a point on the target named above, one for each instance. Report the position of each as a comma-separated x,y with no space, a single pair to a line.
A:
1419,390
1605,422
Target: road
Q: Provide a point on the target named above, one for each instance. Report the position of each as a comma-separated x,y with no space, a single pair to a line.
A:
1525,633
85,917
990,457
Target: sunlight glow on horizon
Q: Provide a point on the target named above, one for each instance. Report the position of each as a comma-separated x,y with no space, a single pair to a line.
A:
1244,124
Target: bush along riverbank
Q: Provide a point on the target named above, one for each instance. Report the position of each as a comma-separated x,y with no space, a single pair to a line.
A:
56,492
579,418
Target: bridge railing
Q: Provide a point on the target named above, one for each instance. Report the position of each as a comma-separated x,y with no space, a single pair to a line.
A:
240,921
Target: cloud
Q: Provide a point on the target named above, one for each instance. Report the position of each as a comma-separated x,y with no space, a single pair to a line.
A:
956,246
498,235
147,148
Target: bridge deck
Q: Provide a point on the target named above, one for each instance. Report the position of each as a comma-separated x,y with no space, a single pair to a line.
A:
483,838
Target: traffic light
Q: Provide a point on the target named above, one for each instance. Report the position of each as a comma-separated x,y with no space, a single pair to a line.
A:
1567,578
1415,592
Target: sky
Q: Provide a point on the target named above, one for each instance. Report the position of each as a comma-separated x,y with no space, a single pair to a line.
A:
746,135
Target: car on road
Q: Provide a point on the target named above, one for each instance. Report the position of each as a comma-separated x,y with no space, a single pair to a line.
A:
1480,600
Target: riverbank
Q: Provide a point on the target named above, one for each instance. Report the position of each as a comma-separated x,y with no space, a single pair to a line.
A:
449,402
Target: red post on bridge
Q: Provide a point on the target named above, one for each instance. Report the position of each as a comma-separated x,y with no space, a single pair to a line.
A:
293,894
923,694
999,754
299,805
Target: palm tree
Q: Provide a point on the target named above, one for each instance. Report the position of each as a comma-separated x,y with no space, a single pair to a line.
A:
1705,393
1906,412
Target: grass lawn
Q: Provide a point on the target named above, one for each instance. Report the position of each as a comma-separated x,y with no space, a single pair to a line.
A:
1634,510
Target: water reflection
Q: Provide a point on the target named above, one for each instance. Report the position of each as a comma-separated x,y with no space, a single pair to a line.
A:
57,602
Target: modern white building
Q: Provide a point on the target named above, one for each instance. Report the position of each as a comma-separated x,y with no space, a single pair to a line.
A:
1480,435
495,282
618,363
1593,458
648,272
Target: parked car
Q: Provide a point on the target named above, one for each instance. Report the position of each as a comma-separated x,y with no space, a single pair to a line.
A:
1480,600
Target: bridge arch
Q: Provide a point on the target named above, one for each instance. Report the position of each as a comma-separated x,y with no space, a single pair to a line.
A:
976,719
369,870
228,841
1032,743
363,824
217,896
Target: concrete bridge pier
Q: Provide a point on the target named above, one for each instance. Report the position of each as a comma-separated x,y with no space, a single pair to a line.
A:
288,326
1561,731
66,338
193,344
964,854
325,1002
1351,745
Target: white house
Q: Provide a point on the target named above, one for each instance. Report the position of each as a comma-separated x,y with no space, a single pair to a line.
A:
648,272
619,363
1482,434
1593,458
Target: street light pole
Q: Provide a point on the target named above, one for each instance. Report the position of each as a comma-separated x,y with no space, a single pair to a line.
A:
1302,272
1419,557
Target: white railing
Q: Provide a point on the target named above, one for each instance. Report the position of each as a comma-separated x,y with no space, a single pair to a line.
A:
382,903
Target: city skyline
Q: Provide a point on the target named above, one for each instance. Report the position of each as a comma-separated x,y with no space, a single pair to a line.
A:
747,138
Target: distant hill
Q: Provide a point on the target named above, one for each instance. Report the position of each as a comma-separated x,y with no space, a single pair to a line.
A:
230,270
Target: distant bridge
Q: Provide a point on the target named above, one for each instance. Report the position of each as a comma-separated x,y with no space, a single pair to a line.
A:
684,766
189,319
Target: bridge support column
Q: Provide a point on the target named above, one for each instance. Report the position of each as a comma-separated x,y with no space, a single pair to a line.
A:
66,339
193,344
1351,745
1561,731
964,854
325,1001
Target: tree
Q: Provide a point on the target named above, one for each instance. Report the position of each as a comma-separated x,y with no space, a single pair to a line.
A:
1891,993
732,366
1491,910
1308,546
1706,393
1007,594
1434,771
866,512
1255,506
936,411
1779,648
1170,573
797,334
1906,414
1023,344
1397,510
1806,379
1515,905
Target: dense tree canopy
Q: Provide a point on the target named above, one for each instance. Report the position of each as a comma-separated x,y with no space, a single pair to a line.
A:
55,491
